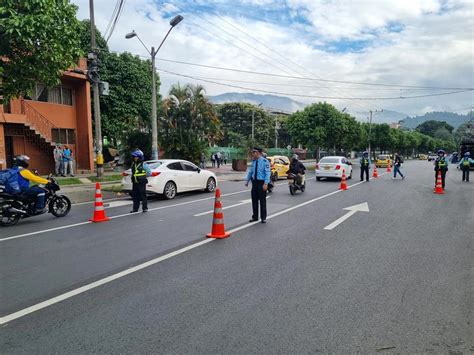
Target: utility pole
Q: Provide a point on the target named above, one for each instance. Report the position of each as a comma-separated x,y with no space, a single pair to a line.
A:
253,126
370,127
276,131
93,74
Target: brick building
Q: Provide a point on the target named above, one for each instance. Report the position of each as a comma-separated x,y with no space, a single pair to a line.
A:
58,115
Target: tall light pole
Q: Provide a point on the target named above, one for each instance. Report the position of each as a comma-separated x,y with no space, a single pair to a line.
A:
153,52
370,127
93,75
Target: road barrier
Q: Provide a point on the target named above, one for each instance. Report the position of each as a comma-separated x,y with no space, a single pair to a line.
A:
99,211
343,181
439,184
218,229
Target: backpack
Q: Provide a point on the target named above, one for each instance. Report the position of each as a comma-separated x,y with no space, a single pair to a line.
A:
9,179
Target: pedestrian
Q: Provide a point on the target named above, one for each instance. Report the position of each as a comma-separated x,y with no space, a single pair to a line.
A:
259,174
465,165
225,158
218,159
213,160
67,161
397,164
203,161
441,164
364,166
140,172
58,160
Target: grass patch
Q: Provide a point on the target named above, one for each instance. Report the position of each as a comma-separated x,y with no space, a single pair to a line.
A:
114,177
69,181
113,188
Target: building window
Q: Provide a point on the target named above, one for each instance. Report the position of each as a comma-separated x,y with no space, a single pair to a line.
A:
64,136
55,95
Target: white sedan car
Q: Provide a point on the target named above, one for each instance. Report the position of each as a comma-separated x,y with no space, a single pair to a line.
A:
170,176
332,167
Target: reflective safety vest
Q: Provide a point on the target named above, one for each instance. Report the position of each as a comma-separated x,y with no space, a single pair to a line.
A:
138,172
441,163
466,163
365,162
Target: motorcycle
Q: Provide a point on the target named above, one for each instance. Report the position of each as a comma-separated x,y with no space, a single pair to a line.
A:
294,185
18,206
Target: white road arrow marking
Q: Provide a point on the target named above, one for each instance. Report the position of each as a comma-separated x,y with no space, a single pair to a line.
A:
243,202
362,207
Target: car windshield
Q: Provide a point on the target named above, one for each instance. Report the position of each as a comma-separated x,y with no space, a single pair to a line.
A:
329,160
382,157
155,165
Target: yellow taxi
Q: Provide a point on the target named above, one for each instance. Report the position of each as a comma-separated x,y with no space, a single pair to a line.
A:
279,165
383,160
423,157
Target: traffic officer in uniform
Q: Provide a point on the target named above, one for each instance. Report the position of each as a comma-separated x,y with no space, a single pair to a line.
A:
364,166
140,172
441,164
465,165
259,173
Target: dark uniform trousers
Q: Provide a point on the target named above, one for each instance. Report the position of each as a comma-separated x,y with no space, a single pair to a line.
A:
465,174
258,195
364,169
139,194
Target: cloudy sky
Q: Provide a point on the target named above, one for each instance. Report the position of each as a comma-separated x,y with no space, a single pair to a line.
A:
390,42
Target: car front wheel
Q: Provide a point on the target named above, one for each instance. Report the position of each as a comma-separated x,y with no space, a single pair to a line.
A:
210,185
170,190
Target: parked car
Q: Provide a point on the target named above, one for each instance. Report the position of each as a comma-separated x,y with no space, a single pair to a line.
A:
332,167
170,176
383,161
279,165
423,157
432,157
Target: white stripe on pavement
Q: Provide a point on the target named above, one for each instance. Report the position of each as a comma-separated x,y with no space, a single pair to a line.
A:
77,291
65,296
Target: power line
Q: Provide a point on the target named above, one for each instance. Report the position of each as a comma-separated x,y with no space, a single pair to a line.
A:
114,13
313,96
119,13
312,79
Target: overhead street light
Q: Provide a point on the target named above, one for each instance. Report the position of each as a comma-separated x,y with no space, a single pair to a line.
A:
154,124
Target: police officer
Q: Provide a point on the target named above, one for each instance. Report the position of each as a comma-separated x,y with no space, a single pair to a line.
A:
259,173
364,166
441,164
140,171
465,165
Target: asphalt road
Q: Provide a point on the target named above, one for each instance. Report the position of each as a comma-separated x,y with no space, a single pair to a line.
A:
398,279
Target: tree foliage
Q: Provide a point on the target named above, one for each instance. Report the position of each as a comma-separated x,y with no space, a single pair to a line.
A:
236,118
39,39
431,127
189,123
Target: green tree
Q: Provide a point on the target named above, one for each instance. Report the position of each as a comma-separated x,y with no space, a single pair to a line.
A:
189,124
308,127
39,39
236,118
431,127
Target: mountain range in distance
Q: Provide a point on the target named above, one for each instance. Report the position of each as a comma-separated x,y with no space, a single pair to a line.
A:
288,105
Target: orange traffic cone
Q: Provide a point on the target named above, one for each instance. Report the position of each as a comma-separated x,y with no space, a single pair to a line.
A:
218,229
439,184
376,174
99,212
388,168
343,181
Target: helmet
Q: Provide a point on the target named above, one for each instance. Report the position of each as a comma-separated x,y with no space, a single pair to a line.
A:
137,154
365,153
22,160
441,151
467,154
295,156
264,155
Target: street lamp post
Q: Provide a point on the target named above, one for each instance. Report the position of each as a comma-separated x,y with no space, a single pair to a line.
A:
253,123
370,126
154,124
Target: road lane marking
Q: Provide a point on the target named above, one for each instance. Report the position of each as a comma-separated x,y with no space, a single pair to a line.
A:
117,204
243,202
149,210
362,207
64,296
85,288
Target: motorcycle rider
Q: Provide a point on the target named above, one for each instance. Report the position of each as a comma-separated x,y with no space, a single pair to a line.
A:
24,178
297,168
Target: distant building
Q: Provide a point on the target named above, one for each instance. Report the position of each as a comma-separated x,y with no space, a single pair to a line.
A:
395,125
58,115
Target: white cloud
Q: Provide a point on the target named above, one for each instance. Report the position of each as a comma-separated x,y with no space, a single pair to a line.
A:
434,48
